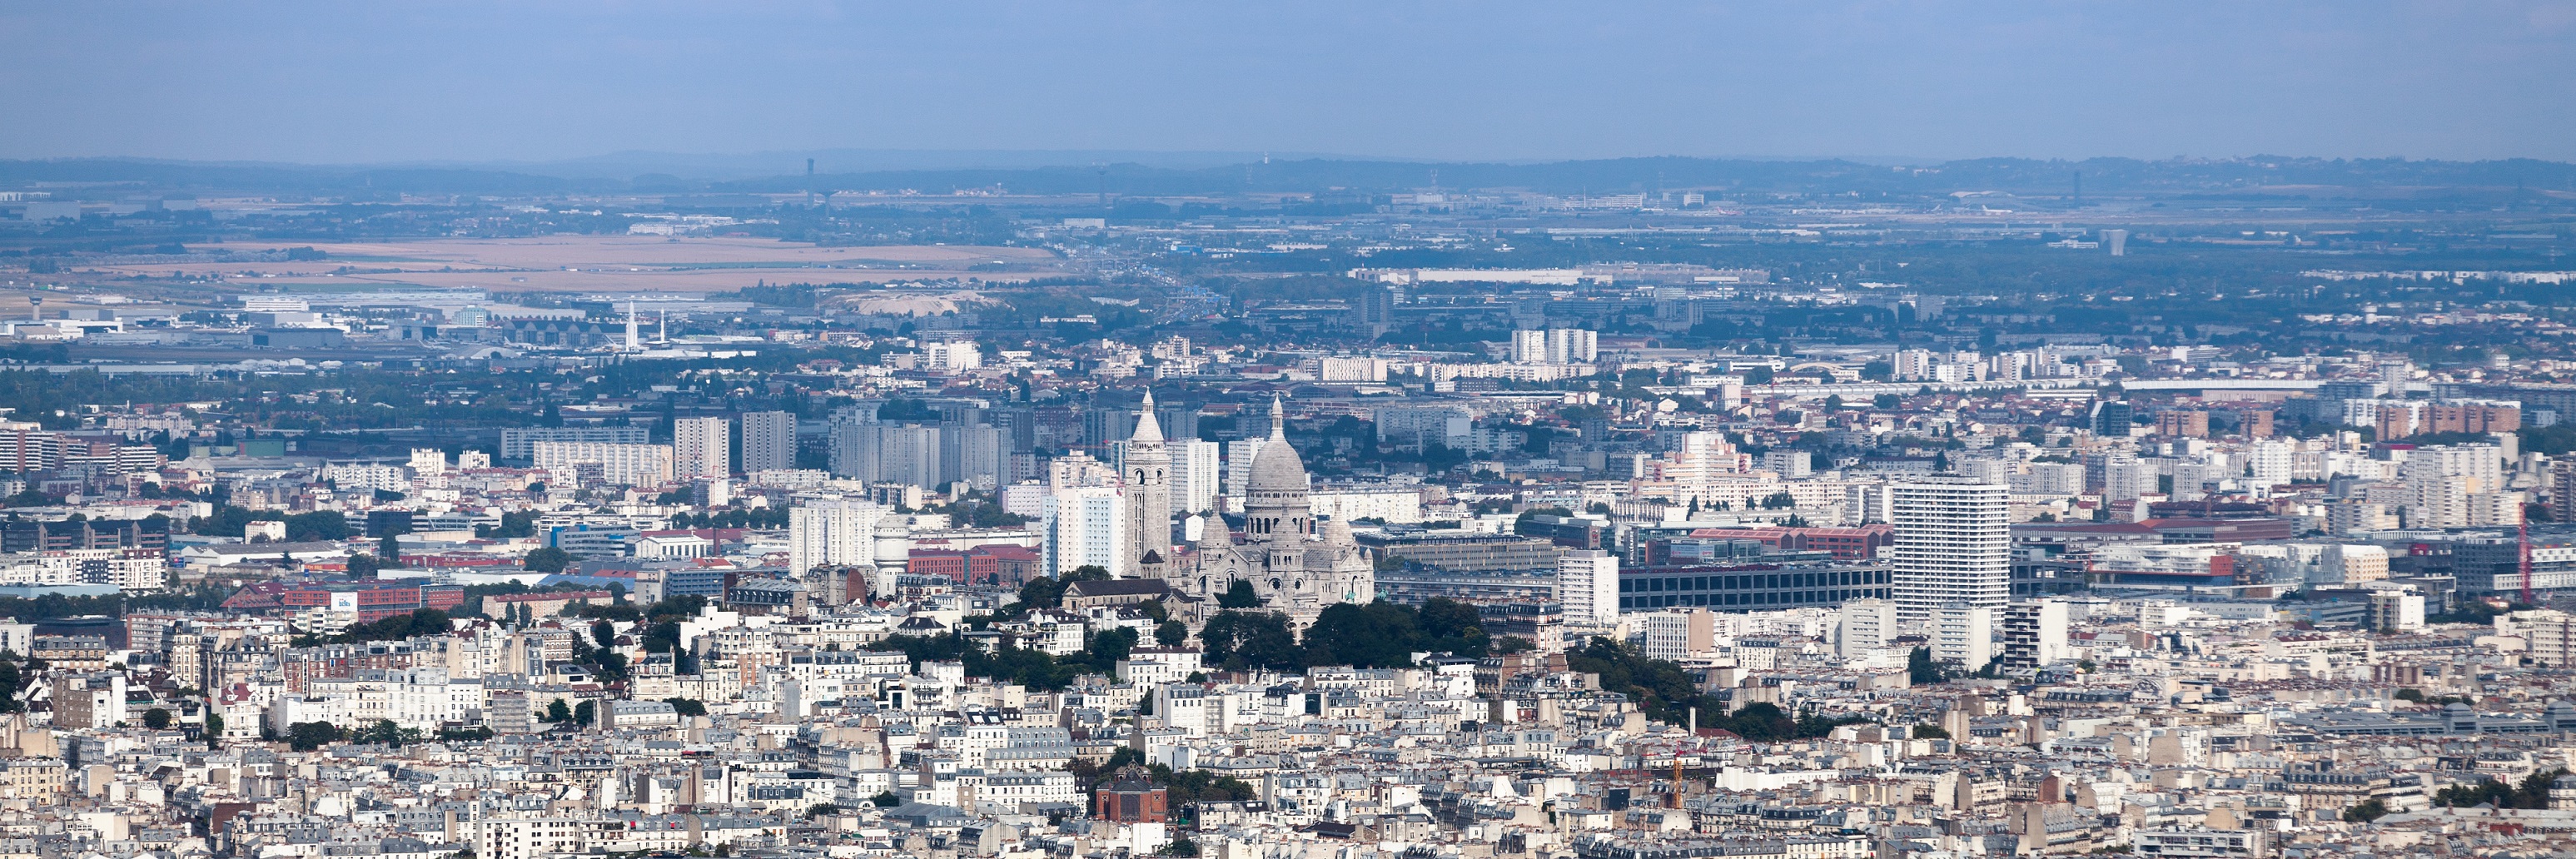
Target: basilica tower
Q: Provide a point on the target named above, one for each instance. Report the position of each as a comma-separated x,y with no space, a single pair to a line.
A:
1146,472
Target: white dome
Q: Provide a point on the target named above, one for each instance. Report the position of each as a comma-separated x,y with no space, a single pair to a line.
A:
1276,469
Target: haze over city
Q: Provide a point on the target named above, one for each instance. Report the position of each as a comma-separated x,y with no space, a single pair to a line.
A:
1314,431
363,83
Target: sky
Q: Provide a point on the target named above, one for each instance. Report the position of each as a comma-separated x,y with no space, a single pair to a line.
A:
346,83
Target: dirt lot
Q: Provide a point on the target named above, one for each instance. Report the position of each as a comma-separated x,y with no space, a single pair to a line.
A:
611,263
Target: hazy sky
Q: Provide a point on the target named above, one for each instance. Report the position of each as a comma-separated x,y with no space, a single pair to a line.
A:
363,82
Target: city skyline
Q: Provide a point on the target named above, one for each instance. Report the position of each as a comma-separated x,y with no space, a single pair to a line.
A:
639,430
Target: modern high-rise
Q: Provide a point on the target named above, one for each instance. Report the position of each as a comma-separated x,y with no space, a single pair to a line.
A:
702,447
618,464
1953,545
1867,624
1587,586
1239,455
1963,634
768,441
1374,312
977,456
888,453
519,444
1555,346
2112,418
2562,489
1194,475
1674,633
1084,525
832,532
2035,634
2125,479
1572,346
2268,464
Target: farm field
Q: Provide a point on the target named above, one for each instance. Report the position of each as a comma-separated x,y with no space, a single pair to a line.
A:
608,263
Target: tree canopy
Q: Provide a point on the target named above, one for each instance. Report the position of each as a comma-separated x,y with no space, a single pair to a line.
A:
1378,635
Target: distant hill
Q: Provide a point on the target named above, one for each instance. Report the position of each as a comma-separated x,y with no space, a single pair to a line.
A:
1173,175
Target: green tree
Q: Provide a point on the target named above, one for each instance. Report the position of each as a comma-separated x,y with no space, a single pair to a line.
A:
2365,811
2533,792
1378,635
585,712
1238,640
1661,688
558,711
1048,592
547,560
1454,627
324,525
1172,633
214,730
1239,596
1920,670
156,719
885,799
1106,647
307,736
385,733
422,621
687,706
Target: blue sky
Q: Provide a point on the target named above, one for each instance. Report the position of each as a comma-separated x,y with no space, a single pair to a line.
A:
367,82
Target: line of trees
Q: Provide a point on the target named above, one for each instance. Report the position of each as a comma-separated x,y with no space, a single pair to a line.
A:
1036,669
1378,635
2531,792
425,621
1667,693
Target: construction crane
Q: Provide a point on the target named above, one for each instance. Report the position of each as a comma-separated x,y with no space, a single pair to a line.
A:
1674,800
2525,556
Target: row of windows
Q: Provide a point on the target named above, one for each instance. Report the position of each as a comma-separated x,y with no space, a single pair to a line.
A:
1832,578
1754,599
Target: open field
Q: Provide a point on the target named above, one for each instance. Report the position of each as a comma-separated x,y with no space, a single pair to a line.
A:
608,263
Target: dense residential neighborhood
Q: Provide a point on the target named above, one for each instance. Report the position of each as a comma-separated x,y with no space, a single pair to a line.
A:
1433,522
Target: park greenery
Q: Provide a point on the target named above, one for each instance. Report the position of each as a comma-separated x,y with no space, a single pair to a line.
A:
1671,694
2531,792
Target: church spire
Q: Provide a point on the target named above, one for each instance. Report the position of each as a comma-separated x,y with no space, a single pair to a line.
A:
1147,428
1278,419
